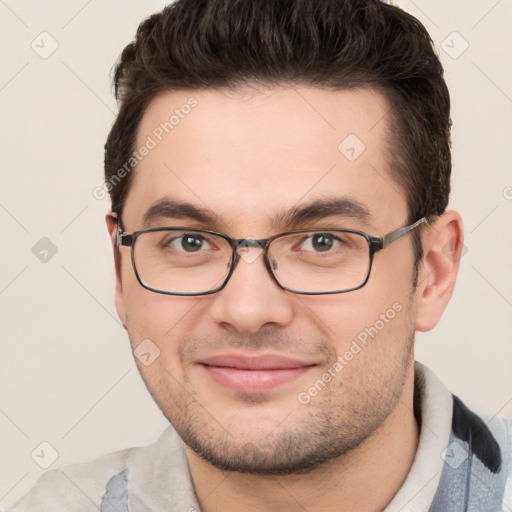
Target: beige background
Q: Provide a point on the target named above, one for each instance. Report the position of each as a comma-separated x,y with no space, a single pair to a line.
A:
66,372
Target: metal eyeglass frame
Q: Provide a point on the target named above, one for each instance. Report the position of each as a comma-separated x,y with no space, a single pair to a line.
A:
375,244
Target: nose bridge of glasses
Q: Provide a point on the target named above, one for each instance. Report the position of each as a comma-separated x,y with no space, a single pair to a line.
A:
251,242
249,249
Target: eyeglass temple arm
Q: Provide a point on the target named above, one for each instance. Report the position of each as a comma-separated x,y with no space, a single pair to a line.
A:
122,239
395,235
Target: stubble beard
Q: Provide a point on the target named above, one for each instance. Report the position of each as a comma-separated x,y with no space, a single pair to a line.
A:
325,432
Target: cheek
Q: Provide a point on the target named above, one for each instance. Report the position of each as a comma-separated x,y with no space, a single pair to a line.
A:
156,327
163,319
149,314
383,309
364,318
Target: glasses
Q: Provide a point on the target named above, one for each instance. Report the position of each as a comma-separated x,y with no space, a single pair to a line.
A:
183,261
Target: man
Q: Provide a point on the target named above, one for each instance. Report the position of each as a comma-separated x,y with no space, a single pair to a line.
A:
279,175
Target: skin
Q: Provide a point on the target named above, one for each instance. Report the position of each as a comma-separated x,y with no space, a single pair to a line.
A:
247,156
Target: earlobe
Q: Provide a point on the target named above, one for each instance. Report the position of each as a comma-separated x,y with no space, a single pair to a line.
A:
111,221
442,249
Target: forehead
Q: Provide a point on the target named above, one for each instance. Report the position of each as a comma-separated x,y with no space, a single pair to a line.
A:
249,155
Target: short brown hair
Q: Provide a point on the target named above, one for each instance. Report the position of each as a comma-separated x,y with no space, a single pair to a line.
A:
338,44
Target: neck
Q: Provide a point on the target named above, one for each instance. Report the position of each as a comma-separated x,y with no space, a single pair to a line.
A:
367,478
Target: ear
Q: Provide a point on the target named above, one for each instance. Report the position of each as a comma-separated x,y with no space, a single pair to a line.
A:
111,221
442,248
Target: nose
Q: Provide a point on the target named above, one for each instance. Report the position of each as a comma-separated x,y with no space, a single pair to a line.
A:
251,300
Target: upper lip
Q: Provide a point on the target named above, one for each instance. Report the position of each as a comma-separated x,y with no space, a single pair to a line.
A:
258,362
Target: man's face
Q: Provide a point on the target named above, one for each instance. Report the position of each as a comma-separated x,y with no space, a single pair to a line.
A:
255,378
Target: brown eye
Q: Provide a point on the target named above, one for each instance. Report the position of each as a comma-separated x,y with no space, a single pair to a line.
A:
186,242
322,242
191,243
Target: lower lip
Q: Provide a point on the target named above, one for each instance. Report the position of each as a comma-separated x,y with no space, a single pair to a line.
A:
253,381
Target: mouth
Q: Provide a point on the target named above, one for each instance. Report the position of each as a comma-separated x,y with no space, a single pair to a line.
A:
254,374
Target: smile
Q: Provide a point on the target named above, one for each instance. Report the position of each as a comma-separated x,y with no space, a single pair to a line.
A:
254,374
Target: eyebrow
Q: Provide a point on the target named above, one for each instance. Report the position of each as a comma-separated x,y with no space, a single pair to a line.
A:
324,208
167,208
